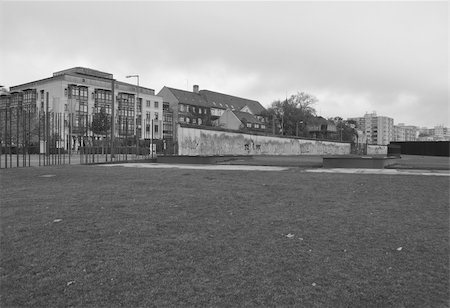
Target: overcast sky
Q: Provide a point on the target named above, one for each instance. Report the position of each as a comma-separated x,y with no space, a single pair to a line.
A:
355,57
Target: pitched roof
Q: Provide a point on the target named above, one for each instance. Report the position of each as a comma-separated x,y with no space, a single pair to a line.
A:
189,98
225,101
249,118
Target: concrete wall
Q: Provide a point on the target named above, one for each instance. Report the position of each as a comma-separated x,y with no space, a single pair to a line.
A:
192,141
376,149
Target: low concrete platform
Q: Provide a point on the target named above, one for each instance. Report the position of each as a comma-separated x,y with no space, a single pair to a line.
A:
182,159
366,162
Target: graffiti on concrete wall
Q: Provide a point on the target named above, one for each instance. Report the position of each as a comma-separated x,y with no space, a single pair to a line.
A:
193,141
376,149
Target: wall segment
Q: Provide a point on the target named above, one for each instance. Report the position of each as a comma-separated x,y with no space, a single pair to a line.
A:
202,142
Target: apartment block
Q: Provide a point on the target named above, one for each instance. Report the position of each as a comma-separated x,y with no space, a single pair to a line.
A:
404,132
80,94
377,129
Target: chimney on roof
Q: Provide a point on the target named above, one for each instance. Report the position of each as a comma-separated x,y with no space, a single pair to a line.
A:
195,88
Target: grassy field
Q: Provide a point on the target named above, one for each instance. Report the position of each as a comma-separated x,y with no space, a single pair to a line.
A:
96,236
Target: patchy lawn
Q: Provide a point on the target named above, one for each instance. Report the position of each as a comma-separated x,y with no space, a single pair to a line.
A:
95,236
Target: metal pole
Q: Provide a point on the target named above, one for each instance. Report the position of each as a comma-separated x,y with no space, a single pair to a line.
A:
152,140
10,137
47,131
126,134
113,124
70,122
29,136
53,139
17,134
65,136
6,135
24,136
39,136
135,116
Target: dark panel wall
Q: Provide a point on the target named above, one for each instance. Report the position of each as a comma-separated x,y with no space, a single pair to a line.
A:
426,148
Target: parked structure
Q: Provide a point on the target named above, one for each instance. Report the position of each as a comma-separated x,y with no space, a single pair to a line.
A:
82,94
378,129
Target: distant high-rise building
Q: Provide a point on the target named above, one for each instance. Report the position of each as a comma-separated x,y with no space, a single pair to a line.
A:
404,132
441,133
377,129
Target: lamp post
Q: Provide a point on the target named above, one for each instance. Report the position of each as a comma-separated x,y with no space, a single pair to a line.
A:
298,122
135,111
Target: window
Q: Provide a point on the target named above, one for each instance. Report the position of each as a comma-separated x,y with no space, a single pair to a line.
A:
194,121
148,116
181,119
156,128
249,125
83,108
156,105
181,107
199,121
156,116
148,103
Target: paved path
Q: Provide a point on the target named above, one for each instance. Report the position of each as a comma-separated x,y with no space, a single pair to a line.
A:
198,167
274,168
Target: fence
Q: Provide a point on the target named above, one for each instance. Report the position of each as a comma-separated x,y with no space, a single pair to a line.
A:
37,138
426,148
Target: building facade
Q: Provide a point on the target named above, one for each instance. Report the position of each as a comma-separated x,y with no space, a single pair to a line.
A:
377,129
208,108
404,132
81,95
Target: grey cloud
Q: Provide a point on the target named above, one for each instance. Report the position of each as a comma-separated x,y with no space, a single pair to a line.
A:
256,50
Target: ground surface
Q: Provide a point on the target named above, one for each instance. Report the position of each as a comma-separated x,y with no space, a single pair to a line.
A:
97,236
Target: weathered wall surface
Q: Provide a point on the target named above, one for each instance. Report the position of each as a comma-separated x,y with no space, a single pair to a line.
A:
377,149
192,141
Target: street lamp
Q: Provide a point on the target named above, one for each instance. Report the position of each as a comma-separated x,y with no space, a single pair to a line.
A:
135,111
298,122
